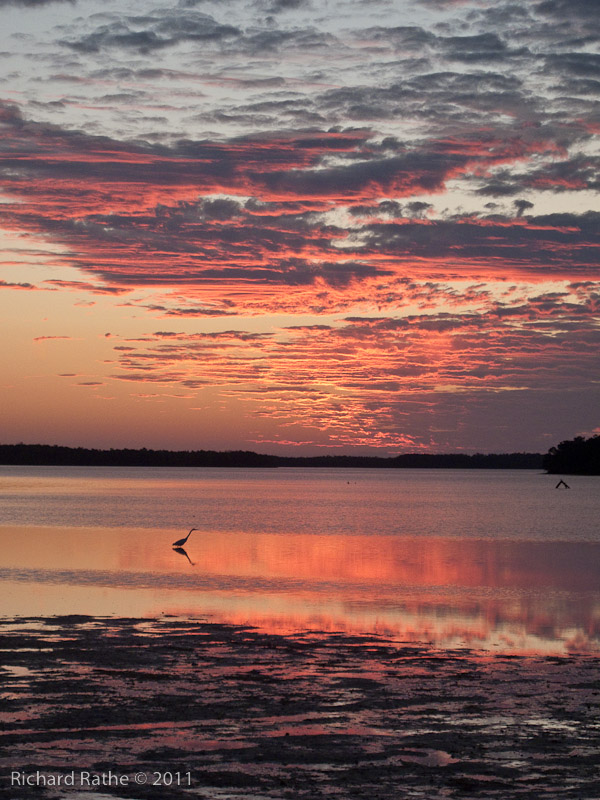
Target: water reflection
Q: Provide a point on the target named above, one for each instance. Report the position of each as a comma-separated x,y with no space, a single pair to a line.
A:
513,596
182,552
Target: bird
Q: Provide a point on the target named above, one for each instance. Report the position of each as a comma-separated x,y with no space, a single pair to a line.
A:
181,542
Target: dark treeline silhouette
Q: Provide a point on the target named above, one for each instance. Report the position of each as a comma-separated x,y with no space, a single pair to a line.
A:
577,456
55,455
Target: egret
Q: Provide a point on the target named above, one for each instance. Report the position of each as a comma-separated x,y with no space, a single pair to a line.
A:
181,542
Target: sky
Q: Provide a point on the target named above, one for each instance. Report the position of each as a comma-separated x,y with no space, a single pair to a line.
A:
290,226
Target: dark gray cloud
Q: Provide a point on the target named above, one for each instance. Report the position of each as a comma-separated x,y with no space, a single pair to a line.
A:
278,6
478,48
569,175
404,174
522,206
32,3
13,285
277,39
170,27
187,311
502,185
578,86
442,3
502,15
418,208
551,242
587,9
438,97
404,38
386,208
586,65
149,33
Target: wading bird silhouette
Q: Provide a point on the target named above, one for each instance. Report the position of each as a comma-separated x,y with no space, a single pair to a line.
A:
181,542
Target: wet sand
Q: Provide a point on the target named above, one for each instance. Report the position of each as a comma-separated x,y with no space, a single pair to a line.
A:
224,711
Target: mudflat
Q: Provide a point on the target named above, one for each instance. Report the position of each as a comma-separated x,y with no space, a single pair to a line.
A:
137,708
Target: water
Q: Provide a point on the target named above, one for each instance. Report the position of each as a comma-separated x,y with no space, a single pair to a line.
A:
498,504
493,560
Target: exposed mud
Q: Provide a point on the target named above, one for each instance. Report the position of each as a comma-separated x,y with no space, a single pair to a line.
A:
229,712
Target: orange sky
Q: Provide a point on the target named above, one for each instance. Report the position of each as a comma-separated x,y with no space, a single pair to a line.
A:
276,227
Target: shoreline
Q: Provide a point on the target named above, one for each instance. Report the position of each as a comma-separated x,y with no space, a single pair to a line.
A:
310,715
59,455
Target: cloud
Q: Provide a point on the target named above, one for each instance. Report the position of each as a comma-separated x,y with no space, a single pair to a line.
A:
12,285
522,206
564,9
187,310
384,208
146,34
550,243
478,48
168,28
216,162
279,6
402,175
84,286
51,338
32,3
586,65
565,175
263,216
369,378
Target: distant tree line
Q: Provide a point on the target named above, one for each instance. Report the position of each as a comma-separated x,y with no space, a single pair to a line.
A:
56,455
577,456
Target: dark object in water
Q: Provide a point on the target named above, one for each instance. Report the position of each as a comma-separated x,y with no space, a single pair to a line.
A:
562,484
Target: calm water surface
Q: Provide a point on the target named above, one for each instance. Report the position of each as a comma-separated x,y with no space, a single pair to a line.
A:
496,560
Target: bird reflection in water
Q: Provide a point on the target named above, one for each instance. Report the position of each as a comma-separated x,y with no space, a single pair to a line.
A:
182,552
178,546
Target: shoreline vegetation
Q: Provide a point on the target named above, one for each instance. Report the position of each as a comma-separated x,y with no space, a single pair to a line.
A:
57,455
579,456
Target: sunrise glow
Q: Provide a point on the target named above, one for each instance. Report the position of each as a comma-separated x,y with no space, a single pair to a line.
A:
305,227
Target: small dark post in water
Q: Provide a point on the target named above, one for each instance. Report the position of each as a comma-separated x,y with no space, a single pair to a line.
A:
562,484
